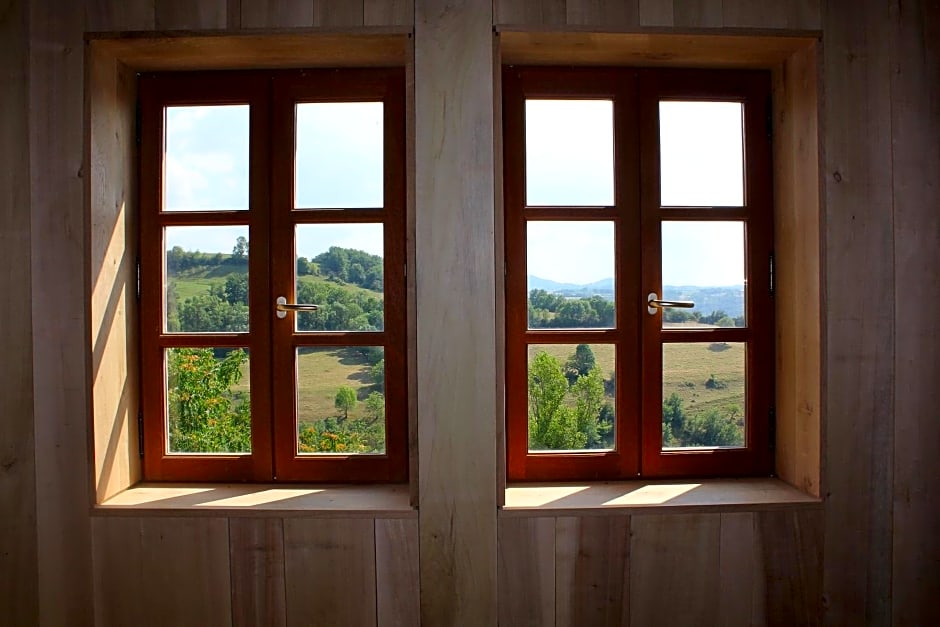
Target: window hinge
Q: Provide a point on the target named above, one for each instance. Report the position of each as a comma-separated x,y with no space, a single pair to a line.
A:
140,432
772,426
772,284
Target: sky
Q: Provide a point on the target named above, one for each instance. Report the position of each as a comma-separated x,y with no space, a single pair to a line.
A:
569,151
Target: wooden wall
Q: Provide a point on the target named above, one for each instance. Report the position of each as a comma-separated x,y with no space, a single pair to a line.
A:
869,557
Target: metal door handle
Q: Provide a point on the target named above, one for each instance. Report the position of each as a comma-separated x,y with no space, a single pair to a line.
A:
282,307
653,303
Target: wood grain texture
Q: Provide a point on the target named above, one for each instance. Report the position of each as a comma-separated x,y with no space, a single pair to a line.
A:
388,12
797,254
531,12
60,323
656,13
112,231
161,571
189,15
120,15
256,555
915,124
19,595
277,13
859,315
742,585
792,559
396,573
526,575
750,14
697,13
456,343
593,565
330,572
609,14
338,13
674,569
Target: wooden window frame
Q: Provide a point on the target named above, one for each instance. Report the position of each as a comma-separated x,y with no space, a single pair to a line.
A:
638,337
271,218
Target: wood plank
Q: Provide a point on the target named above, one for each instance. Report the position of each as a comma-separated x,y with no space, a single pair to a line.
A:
674,569
915,123
396,573
610,14
750,14
161,571
697,13
454,166
330,571
19,595
526,575
531,12
797,221
59,320
256,554
792,559
388,12
277,13
119,15
189,15
742,585
859,314
656,13
593,562
339,13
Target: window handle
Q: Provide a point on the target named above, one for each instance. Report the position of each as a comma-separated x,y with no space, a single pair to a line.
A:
654,303
283,307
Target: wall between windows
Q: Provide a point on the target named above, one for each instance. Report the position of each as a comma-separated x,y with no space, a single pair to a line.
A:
867,557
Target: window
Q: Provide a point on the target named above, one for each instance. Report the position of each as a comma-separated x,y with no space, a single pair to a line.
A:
639,311
272,276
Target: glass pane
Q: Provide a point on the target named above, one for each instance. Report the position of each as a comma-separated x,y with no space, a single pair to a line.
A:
339,155
701,154
569,147
206,158
703,262
208,405
572,397
341,400
206,285
570,278
703,395
340,268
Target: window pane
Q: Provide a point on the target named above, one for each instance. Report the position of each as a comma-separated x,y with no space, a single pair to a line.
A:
571,397
341,400
570,279
701,154
340,268
703,395
339,155
569,147
703,262
208,406
206,284
206,158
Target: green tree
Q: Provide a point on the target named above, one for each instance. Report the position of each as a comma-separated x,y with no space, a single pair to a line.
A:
240,250
345,400
236,289
552,424
375,407
377,374
580,363
588,392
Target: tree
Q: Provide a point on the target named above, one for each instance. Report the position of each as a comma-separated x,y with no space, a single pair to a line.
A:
303,266
552,424
580,363
377,373
345,400
375,407
236,289
588,391
240,251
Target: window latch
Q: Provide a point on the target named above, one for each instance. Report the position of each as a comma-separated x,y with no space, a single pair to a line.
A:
654,303
282,307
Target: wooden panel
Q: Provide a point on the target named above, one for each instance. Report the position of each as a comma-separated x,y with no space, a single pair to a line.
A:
112,236
610,14
593,562
797,255
341,13
119,15
792,559
189,15
750,14
742,586
526,576
396,573
388,12
697,13
330,571
455,318
531,12
161,571
656,13
19,596
674,570
60,336
860,301
256,554
277,13
915,124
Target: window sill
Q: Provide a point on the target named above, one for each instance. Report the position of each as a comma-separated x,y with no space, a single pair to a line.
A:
345,501
649,497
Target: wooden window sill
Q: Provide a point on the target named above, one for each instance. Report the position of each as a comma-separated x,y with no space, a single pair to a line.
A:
343,501
663,496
